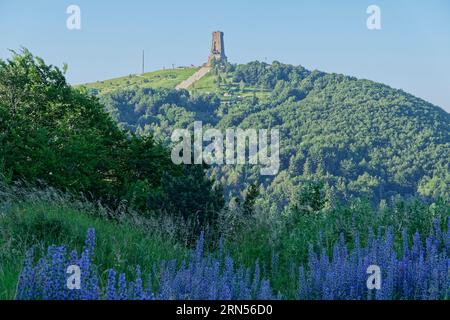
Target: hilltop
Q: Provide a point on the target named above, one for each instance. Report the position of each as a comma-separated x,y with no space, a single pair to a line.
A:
359,137
170,79
167,78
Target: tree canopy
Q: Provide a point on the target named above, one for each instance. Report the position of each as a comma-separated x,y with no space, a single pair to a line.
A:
359,137
54,134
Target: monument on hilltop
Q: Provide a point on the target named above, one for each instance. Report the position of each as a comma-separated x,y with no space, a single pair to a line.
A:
217,54
217,48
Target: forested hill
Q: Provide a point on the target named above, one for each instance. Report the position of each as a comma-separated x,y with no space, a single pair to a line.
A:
358,137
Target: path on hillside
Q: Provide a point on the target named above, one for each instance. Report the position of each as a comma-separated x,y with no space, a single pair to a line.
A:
195,77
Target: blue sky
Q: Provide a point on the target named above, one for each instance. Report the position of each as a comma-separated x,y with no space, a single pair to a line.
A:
411,51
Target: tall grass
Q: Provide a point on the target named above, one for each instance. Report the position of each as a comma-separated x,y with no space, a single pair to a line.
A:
279,242
421,271
38,218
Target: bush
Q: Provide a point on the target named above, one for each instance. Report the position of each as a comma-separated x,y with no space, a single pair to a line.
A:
53,133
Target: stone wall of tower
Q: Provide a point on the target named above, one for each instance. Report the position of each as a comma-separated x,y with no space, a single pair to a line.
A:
217,47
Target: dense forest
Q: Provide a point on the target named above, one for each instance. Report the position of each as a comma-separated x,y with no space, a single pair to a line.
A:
86,178
358,137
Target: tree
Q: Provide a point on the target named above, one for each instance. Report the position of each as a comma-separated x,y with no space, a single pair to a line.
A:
190,195
251,195
242,85
311,197
219,80
53,133
436,186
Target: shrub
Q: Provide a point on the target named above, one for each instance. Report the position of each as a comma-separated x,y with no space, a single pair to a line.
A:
53,133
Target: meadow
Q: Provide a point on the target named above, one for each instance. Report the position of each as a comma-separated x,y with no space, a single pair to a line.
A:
167,78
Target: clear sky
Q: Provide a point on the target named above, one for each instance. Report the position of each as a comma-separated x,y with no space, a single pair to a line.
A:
411,51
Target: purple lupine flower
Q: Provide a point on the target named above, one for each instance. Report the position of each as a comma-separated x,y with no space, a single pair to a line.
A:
265,291
122,292
420,271
26,278
138,289
302,291
256,279
111,293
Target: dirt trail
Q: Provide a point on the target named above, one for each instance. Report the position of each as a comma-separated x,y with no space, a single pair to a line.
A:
195,77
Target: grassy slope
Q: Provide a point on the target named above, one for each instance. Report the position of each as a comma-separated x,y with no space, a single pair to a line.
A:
208,84
168,78
41,223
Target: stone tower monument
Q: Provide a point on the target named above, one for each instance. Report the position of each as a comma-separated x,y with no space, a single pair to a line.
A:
217,48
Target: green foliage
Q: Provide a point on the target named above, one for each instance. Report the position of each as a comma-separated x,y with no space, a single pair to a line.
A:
311,198
63,137
157,111
262,74
37,219
291,235
362,139
167,78
251,196
51,132
41,218
190,195
436,186
342,139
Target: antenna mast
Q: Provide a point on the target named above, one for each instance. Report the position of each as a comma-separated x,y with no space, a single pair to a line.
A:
143,61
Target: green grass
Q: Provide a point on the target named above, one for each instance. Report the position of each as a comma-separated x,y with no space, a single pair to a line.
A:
30,218
41,223
168,78
207,84
229,90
